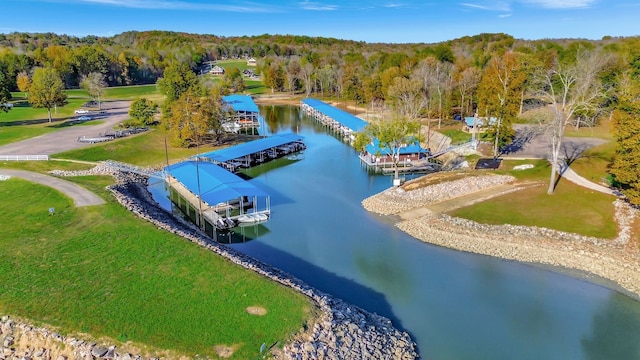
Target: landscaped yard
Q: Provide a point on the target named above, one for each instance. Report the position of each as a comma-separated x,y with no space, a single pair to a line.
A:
591,213
100,270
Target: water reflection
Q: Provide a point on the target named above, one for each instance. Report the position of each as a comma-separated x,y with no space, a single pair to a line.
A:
455,305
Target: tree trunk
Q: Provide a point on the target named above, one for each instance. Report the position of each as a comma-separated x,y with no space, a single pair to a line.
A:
49,112
552,179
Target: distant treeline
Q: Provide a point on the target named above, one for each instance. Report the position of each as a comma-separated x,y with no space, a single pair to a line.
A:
353,70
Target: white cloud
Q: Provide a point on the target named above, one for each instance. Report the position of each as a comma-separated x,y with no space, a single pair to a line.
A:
309,5
561,4
175,5
394,5
489,6
502,16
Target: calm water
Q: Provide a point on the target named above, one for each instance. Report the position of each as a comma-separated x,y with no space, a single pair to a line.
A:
455,305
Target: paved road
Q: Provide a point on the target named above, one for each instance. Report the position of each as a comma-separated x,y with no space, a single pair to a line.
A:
529,143
81,196
65,139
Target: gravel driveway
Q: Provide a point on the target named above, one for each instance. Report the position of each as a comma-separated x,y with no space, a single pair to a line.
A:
66,139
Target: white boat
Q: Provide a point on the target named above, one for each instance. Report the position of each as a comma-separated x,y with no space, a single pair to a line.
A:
252,218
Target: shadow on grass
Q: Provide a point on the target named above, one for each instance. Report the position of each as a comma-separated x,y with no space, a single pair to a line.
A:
321,279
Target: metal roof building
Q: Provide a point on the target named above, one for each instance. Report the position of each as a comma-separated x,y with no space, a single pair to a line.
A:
241,103
216,184
251,147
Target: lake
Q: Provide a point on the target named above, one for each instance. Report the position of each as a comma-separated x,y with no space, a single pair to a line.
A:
455,305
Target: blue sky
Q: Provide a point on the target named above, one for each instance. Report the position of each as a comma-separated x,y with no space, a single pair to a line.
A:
393,21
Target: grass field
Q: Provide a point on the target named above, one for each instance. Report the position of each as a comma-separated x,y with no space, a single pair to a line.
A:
591,212
146,149
100,270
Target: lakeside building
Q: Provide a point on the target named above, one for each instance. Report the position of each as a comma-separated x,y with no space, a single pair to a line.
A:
246,113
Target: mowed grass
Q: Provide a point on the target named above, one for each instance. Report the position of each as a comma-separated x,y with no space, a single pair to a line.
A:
146,149
133,92
571,208
100,270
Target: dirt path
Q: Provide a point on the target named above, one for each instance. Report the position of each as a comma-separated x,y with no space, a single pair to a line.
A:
81,196
66,139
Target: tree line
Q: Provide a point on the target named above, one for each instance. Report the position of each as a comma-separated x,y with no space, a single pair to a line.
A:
489,75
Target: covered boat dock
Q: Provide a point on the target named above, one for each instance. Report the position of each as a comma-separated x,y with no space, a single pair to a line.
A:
255,152
213,197
335,119
246,114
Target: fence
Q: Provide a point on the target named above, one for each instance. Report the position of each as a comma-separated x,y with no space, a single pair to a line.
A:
24,157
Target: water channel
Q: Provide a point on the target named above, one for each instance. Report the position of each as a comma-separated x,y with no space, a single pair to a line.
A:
455,305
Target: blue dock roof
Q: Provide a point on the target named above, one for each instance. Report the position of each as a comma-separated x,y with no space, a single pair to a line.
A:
251,147
241,103
469,120
352,122
216,184
413,148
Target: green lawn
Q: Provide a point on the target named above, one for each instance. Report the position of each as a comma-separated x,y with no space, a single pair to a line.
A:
17,133
594,163
146,149
591,213
132,92
457,136
22,113
102,271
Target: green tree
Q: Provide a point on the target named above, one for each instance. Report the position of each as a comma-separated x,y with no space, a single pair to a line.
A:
177,80
47,90
5,94
232,81
143,111
94,84
392,134
626,119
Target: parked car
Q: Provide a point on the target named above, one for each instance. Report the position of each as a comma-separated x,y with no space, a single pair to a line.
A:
81,111
84,118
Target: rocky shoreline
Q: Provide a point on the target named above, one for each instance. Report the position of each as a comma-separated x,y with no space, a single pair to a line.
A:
341,331
616,260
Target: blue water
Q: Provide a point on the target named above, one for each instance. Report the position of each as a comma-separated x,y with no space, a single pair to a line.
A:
455,305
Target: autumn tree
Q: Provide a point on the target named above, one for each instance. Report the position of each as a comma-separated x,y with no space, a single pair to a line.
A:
567,89
391,134
143,111
626,120
499,95
292,75
307,73
94,84
405,98
23,81
273,75
195,118
466,80
47,90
